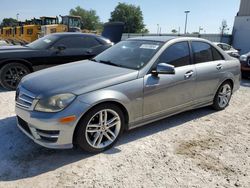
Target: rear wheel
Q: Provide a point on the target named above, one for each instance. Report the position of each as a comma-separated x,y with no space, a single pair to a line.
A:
100,129
223,96
11,74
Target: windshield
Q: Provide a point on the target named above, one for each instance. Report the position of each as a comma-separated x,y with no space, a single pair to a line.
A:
74,22
132,54
44,42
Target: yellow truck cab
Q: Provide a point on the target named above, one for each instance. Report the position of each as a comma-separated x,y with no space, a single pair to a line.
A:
51,25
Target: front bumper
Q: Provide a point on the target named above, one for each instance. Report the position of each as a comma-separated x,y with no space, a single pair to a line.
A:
45,128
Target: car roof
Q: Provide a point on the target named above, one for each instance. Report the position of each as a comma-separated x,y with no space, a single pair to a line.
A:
155,38
168,38
74,34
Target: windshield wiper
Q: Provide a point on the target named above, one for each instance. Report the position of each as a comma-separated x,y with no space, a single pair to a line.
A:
109,63
93,59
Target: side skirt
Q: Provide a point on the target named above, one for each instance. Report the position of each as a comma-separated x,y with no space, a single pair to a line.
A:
140,123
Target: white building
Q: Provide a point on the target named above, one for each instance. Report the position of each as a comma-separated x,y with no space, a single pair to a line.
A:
241,31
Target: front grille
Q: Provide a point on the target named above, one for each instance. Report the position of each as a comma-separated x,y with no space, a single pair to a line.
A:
23,124
24,99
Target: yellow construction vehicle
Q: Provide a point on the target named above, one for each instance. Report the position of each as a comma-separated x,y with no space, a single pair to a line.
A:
51,25
7,33
68,24
30,30
73,23
18,31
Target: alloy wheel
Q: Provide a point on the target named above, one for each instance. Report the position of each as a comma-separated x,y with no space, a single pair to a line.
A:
13,75
224,95
103,128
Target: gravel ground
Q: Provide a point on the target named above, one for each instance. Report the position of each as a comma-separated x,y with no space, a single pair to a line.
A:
199,148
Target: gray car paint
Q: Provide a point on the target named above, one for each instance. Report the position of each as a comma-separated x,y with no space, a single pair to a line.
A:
78,78
145,97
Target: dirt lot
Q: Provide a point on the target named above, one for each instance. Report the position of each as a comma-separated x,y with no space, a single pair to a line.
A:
200,148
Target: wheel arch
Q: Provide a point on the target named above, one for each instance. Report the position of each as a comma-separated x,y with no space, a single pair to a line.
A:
21,61
230,80
114,102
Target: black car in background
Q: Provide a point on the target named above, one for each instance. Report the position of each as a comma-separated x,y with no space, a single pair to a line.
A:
245,65
51,50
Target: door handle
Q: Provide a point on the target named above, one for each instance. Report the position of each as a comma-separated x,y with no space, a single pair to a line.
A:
189,74
219,67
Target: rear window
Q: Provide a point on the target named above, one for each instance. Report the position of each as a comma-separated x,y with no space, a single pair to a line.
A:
204,52
217,55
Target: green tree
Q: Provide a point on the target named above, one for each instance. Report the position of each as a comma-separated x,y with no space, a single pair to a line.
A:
9,22
89,18
131,15
174,31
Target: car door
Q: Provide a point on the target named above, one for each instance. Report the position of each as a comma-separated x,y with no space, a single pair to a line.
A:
165,93
74,48
209,65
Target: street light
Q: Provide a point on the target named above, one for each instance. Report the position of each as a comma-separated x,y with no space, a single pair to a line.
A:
17,16
200,29
186,12
158,29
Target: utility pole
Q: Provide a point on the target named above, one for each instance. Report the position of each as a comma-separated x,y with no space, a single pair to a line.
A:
186,12
158,29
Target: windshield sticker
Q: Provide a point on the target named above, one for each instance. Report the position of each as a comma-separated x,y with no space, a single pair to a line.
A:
47,41
149,46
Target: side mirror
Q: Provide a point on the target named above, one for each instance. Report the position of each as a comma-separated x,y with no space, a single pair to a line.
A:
61,47
164,68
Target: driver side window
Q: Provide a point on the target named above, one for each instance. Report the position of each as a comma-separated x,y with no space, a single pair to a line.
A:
177,55
77,42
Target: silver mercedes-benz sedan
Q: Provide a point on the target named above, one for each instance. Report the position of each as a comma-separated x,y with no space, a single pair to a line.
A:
90,103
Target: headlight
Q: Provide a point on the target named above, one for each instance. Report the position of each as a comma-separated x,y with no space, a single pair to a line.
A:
243,58
55,103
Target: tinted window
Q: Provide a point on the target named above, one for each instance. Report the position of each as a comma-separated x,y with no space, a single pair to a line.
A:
178,55
217,55
44,42
202,52
78,42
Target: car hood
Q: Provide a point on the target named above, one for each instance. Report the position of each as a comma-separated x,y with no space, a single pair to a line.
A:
78,78
10,48
15,51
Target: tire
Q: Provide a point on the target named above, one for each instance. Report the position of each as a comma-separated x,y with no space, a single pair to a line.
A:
223,96
93,137
11,74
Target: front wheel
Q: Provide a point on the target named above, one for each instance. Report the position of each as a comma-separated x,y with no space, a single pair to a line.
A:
100,128
223,96
11,74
